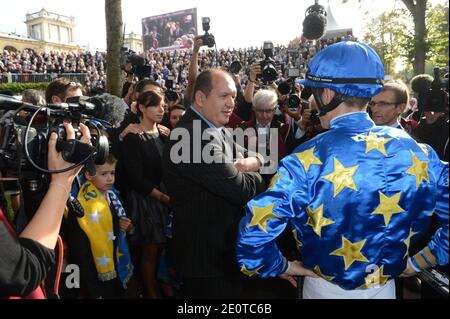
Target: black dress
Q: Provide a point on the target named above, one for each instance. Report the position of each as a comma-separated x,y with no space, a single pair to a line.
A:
142,162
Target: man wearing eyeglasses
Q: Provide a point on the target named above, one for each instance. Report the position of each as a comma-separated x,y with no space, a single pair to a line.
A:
387,107
264,106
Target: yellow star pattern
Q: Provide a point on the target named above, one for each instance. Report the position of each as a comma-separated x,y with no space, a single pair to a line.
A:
407,241
261,215
297,242
274,181
342,177
351,252
319,273
376,143
375,279
250,273
424,149
418,169
316,219
119,254
307,158
388,207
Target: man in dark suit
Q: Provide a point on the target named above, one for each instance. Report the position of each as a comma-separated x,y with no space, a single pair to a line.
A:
208,189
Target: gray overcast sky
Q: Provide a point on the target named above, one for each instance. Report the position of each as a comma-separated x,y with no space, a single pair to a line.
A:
234,23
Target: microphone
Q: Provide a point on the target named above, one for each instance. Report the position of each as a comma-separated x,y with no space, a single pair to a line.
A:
315,23
421,83
108,108
8,103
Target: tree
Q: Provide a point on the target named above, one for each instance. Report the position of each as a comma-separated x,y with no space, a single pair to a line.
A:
387,35
437,25
114,39
391,35
417,9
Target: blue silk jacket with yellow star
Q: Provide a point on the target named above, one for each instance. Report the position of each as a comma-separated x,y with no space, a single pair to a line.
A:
356,197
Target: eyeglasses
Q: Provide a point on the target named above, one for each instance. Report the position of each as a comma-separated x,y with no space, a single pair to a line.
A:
381,104
268,111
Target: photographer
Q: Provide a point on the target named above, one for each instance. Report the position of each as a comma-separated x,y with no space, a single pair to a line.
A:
434,122
193,69
26,260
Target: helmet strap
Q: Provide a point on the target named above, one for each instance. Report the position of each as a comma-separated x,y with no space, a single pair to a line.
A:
337,100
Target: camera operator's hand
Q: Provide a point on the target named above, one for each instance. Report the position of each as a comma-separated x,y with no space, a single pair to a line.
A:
55,159
198,43
255,70
44,226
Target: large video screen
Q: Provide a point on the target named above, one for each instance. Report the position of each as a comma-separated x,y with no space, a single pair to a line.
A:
170,31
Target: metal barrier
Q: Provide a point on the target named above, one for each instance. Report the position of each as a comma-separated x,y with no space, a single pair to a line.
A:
42,77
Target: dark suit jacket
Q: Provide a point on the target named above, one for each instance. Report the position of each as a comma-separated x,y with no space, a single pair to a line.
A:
207,201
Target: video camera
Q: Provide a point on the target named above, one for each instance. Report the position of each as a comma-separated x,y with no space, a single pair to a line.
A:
140,66
23,146
268,67
171,95
435,99
208,39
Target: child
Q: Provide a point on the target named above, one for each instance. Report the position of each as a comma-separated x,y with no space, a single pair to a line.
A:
99,246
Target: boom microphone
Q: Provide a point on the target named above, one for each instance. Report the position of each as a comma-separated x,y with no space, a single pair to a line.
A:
9,103
109,108
315,23
421,83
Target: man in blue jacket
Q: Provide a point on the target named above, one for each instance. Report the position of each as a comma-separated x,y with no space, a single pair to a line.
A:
356,196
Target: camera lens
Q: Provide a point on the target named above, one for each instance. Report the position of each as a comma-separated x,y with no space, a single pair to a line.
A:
268,71
294,101
235,67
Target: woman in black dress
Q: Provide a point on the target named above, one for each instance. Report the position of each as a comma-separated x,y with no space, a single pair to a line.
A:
147,201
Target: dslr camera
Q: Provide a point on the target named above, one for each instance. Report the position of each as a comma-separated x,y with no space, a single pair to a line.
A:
208,39
268,67
171,95
235,67
293,101
436,98
139,65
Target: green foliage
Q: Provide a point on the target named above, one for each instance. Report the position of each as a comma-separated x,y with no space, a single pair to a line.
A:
389,35
437,25
18,88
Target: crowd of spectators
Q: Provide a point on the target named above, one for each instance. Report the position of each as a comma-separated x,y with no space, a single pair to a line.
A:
163,63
